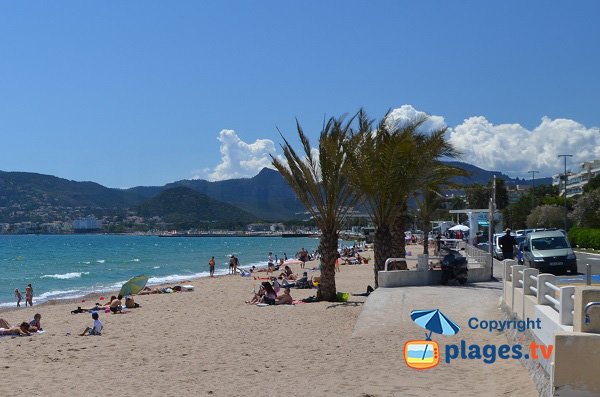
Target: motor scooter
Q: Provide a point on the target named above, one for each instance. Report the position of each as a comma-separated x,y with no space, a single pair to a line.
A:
454,266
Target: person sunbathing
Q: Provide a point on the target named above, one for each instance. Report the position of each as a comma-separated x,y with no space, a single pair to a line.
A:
270,294
21,330
285,298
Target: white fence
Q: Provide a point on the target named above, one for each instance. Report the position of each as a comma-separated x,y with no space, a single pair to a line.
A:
543,287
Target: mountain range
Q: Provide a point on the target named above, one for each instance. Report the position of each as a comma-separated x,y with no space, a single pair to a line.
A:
31,196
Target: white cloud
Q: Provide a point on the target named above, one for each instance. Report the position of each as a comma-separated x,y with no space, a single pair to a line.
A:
510,148
240,159
407,113
514,149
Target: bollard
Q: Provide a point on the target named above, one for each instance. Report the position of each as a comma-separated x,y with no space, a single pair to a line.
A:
588,274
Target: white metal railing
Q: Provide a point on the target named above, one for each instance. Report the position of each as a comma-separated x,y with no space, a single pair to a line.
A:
543,287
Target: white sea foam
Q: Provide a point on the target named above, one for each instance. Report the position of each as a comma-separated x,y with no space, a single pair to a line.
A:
174,278
156,267
65,276
134,260
101,260
60,294
86,262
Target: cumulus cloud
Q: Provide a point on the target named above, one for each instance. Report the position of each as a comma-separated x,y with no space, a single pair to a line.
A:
514,149
240,159
510,148
407,113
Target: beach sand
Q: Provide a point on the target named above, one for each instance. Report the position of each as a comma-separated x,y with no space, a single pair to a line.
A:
208,342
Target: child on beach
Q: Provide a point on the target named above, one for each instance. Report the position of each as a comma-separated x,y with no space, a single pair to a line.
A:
19,297
96,329
36,322
28,295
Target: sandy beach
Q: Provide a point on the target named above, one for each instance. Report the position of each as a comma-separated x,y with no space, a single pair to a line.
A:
209,342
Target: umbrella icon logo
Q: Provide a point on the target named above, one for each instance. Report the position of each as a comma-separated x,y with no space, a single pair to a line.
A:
425,354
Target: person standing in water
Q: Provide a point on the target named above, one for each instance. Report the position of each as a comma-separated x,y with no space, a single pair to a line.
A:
29,295
19,297
211,265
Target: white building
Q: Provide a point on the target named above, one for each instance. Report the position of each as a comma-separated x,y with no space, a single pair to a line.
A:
87,224
577,180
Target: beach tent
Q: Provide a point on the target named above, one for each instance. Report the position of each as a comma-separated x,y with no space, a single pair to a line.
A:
134,285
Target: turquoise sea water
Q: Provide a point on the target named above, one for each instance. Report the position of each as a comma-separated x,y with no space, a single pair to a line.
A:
69,266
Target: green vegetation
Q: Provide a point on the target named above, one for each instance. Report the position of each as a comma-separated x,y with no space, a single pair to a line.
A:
184,208
321,185
585,237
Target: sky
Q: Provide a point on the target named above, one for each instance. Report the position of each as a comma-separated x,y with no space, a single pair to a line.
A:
149,92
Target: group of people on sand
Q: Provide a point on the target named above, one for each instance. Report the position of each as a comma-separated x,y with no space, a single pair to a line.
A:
28,296
267,294
24,329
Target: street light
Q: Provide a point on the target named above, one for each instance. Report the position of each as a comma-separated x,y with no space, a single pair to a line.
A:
565,193
533,185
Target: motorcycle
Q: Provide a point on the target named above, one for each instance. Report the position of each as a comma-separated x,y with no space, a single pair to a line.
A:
454,267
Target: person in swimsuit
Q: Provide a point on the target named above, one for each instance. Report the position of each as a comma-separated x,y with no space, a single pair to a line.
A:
285,299
19,297
6,329
28,295
211,266
231,264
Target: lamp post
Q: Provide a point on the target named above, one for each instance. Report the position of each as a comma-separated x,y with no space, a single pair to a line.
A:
565,193
533,186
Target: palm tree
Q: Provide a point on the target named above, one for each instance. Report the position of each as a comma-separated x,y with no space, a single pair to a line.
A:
382,173
429,174
322,187
390,164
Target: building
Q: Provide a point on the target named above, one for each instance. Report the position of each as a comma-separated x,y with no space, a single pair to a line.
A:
87,224
515,192
577,180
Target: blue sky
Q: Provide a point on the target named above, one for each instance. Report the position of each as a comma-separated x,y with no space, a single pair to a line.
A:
139,92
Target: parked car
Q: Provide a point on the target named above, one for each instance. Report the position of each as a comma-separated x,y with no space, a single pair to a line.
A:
549,252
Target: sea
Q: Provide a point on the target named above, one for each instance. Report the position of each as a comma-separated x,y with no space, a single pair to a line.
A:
72,266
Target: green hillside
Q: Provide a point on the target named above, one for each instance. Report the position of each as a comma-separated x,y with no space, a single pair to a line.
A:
186,208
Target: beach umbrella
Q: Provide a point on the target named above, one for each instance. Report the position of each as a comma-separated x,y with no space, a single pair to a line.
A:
134,285
434,321
462,228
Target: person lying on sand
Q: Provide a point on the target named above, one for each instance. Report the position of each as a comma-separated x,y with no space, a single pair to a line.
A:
21,330
285,299
36,322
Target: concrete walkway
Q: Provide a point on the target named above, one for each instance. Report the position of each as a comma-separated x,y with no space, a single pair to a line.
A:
386,313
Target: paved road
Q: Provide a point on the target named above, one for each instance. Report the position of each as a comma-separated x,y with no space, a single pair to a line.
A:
592,259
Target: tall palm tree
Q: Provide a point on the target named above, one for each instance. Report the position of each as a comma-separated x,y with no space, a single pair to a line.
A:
322,187
429,173
382,173
390,163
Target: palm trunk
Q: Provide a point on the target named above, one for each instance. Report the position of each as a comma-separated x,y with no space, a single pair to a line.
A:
382,247
426,236
398,236
328,248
